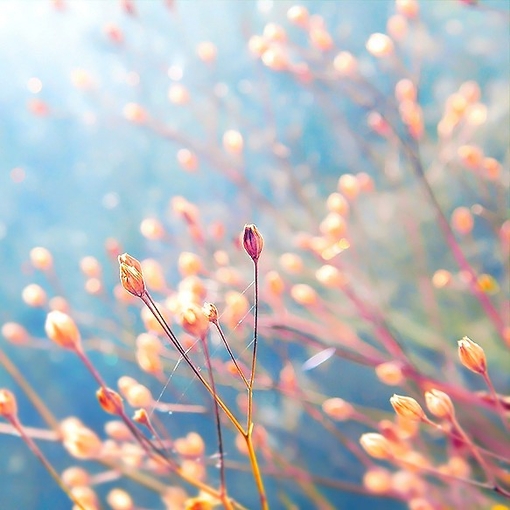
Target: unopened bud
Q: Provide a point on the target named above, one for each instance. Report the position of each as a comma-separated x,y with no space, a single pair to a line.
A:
439,404
472,356
8,405
194,321
376,445
110,400
407,407
131,275
142,417
211,312
62,330
253,242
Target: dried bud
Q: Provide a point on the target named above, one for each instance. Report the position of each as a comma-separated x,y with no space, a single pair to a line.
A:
439,404
62,330
376,445
407,407
110,400
472,356
131,275
211,312
8,405
253,242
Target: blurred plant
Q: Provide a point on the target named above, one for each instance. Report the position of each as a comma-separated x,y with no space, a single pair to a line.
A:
368,277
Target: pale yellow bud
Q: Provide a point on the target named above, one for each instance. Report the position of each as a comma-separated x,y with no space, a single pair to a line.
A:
62,330
439,404
407,407
41,258
376,445
194,321
131,275
472,356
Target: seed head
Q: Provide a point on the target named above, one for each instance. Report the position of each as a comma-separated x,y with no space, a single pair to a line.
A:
253,242
472,356
8,405
62,330
407,407
439,404
109,400
131,275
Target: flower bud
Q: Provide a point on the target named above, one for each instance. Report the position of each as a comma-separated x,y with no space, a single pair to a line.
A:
376,445
407,407
253,242
472,356
8,405
439,404
109,400
194,321
41,258
131,275
211,312
62,330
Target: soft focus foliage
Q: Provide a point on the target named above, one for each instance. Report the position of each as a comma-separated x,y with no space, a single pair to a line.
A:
350,350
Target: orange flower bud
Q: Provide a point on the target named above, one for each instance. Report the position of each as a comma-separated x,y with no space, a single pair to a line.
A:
194,321
34,295
390,373
377,480
253,242
119,499
41,258
118,430
15,333
109,400
142,417
62,330
338,409
8,405
131,275
81,442
90,267
439,403
86,497
407,407
75,476
472,356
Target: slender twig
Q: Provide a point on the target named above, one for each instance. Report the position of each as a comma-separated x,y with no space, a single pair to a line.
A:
223,484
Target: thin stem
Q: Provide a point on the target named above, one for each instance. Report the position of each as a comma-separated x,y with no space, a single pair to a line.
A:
146,298
38,403
255,338
248,436
474,450
223,485
46,463
232,357
499,407
256,469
